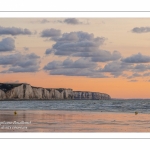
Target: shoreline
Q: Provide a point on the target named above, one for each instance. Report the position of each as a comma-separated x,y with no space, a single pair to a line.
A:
68,111
53,99
70,99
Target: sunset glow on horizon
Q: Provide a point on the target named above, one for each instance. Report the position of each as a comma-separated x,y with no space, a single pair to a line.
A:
107,55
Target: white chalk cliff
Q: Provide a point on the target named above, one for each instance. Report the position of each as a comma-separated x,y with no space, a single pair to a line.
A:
26,91
90,95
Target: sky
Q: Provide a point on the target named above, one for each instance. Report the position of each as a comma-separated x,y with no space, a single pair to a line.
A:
107,55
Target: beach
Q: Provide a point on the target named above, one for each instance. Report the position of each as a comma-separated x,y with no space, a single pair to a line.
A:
72,121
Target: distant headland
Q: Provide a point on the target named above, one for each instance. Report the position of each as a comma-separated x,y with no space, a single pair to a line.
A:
23,91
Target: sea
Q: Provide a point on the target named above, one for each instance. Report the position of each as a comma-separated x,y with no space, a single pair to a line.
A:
115,115
128,106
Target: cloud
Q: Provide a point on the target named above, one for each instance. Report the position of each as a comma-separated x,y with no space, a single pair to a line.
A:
9,59
141,29
133,80
84,66
141,67
87,72
79,67
72,21
146,74
21,69
117,74
134,75
7,44
86,46
83,63
103,56
137,58
115,66
14,31
68,63
44,21
54,65
26,48
49,51
51,33
20,63
75,42
83,44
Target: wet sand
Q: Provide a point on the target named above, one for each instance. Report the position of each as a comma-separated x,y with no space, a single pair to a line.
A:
72,121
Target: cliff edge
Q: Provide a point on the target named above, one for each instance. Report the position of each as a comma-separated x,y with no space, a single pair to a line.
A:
26,91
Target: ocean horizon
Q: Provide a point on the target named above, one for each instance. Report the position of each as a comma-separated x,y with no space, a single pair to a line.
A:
113,105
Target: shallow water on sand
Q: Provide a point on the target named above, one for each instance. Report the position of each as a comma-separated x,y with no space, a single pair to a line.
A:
75,116
72,121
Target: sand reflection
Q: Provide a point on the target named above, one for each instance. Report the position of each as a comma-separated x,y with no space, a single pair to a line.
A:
72,121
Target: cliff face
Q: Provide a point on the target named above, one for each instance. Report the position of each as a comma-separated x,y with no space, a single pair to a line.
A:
90,95
26,91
